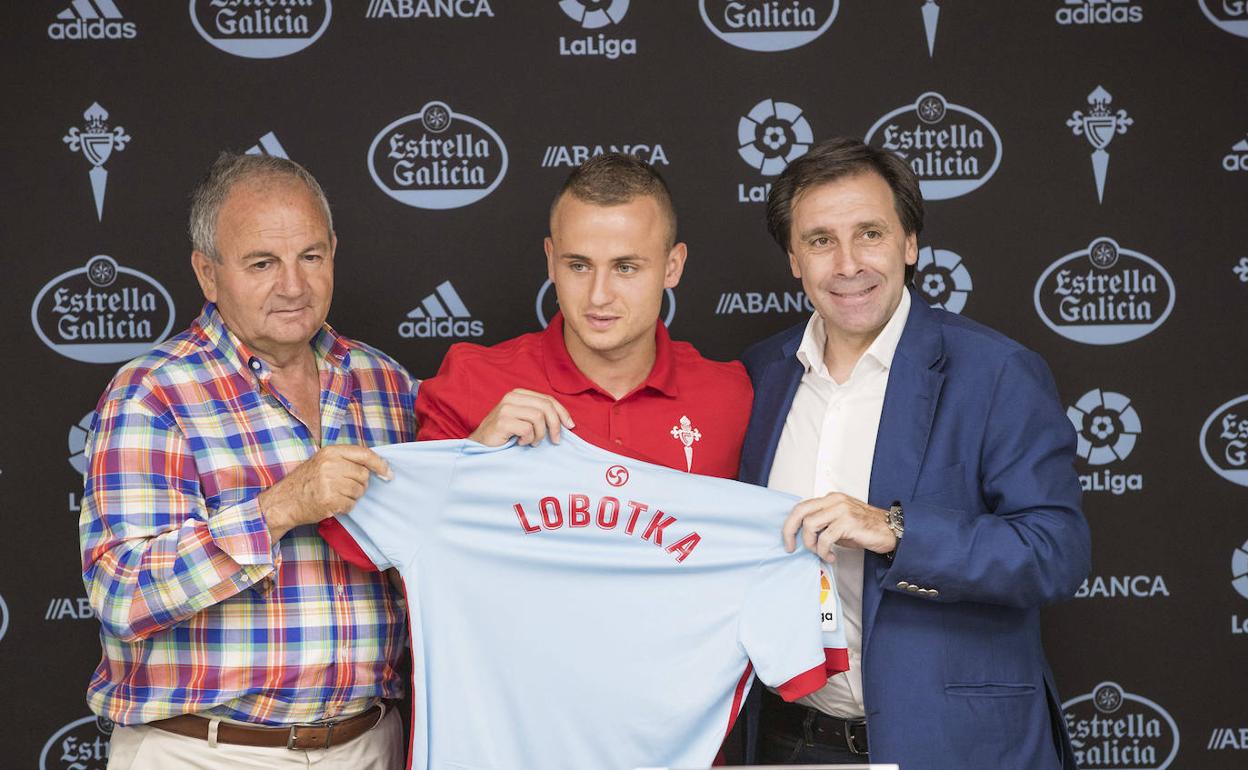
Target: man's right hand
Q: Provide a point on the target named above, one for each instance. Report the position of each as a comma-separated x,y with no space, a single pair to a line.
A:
528,415
328,483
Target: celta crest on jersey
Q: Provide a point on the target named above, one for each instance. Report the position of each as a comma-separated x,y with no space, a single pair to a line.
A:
686,434
607,513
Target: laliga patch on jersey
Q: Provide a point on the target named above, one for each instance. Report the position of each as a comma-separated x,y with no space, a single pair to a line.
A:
827,602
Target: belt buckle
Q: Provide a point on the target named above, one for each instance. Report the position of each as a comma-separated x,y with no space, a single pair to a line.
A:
293,736
847,729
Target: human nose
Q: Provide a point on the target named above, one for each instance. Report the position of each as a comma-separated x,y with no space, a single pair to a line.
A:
291,281
600,289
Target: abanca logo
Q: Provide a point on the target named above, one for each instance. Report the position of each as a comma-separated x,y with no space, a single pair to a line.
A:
102,312
768,25
1104,294
437,159
1111,729
1224,441
952,149
261,29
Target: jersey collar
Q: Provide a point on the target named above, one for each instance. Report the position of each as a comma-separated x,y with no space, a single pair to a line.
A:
565,377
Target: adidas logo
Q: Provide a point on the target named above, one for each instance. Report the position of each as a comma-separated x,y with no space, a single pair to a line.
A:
441,315
268,145
1237,158
92,20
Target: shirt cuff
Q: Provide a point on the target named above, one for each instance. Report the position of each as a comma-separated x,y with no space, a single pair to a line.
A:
804,683
241,532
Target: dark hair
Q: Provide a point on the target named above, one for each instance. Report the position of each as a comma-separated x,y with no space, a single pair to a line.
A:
834,159
614,178
228,170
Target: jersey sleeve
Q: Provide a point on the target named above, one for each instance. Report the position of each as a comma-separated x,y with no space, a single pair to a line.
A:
782,627
443,401
386,525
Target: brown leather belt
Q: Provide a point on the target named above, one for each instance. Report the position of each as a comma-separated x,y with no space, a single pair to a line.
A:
304,737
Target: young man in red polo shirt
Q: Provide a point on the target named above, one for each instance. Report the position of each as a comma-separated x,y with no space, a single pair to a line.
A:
605,365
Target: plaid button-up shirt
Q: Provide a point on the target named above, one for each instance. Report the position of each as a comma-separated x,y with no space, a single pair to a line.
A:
200,611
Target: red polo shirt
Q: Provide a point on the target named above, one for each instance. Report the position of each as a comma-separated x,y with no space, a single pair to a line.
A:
689,414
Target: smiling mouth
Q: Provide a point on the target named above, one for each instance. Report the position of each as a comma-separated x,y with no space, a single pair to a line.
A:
853,294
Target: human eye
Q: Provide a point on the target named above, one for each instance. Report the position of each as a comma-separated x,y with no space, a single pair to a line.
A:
626,268
820,242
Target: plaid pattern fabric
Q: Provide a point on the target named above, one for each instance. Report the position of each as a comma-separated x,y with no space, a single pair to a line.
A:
200,611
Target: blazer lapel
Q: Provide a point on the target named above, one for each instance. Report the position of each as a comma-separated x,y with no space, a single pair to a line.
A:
914,383
773,395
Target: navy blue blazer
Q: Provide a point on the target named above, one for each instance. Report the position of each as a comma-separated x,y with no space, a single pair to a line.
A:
975,445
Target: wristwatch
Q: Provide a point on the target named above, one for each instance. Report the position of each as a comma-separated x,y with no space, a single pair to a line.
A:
895,518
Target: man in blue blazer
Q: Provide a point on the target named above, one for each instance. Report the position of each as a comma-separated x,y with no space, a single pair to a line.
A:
936,463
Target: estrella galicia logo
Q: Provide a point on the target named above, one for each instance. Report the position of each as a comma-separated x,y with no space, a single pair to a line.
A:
952,149
102,313
261,30
772,136
79,745
437,159
1224,441
1229,15
547,305
97,142
1111,729
1104,294
942,279
1099,126
766,25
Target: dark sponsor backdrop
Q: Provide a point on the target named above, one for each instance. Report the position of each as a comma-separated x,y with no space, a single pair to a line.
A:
441,129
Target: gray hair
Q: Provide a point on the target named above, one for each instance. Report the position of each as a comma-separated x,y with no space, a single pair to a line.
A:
228,170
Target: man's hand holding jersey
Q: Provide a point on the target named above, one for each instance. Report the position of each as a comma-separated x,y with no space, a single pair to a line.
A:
324,485
527,415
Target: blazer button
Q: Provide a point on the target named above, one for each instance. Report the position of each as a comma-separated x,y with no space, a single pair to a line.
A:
933,593
903,585
912,589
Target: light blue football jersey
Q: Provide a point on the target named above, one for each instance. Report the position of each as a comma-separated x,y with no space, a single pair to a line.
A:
573,608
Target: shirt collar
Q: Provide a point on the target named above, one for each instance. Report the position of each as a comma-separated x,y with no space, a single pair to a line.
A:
882,349
565,377
327,344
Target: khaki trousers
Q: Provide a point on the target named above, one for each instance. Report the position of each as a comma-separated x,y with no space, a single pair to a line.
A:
141,747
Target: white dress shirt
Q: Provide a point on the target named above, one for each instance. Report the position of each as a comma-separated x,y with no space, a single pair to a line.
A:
828,445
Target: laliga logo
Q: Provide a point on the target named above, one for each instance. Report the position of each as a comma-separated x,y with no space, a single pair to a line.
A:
1107,426
595,14
952,149
437,159
79,745
1229,15
102,313
261,29
4,618
547,305
1099,127
97,142
77,441
1111,729
1104,294
1239,571
942,279
773,135
768,25
1224,441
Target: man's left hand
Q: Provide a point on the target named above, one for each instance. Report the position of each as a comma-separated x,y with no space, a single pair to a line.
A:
838,519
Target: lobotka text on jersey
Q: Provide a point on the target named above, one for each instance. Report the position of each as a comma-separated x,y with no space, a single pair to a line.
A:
606,513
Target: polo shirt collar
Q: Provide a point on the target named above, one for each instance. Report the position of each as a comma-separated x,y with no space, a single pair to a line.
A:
565,377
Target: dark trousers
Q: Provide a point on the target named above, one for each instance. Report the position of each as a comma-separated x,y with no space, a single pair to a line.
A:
794,735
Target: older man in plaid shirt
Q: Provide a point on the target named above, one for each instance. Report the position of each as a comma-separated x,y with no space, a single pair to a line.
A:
232,634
